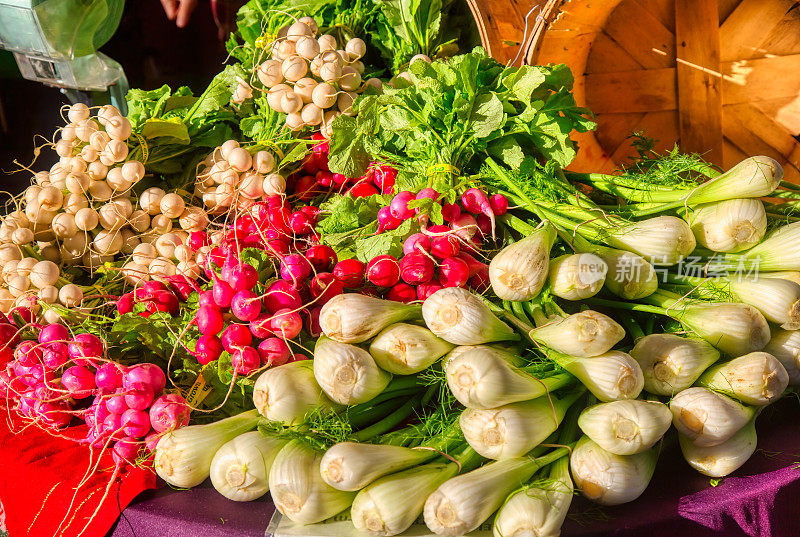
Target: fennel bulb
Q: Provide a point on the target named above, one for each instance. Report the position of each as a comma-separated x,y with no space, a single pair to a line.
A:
464,502
240,468
584,334
514,429
287,393
518,271
780,251
730,225
630,276
754,177
297,488
791,275
733,328
610,479
351,466
610,376
724,458
183,456
354,318
626,427
757,378
785,346
484,377
391,504
672,363
534,511
663,240
458,316
777,299
706,417
405,349
577,276
346,373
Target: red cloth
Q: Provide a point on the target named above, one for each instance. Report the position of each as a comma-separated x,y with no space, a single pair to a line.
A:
38,477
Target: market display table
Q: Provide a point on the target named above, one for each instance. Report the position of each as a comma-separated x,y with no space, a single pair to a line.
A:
762,499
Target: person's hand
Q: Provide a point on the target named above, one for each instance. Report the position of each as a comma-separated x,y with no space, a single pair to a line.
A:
179,10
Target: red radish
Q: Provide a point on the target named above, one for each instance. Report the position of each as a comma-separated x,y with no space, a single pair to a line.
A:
151,441
306,187
28,353
53,415
324,178
55,355
9,335
350,272
125,304
245,360
339,179
209,320
274,352
135,423
324,287
280,295
363,190
416,243
96,414
125,451
450,211
246,305
321,256
85,348
384,178
116,404
299,223
25,313
386,221
260,327
169,412
427,289
416,269
149,374
206,298
278,247
480,280
279,220
310,211
108,377
476,202
223,293
198,239
53,332
236,336
295,268
298,357
286,324
399,205
402,292
465,226
453,272
207,349
312,324
485,225
428,193
383,271
139,396
444,245
112,426
165,301
228,266
473,264
499,204
182,286
78,380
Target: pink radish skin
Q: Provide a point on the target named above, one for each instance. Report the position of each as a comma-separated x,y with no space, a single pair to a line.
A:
198,239
427,289
350,272
286,324
236,336
444,245
108,377
169,412
295,268
416,243
78,380
399,205
246,305
312,322
245,360
125,452
135,423
453,272
116,403
28,353
243,277
274,352
206,298
465,226
112,426
402,292
428,193
416,269
223,293
260,327
280,295
151,441
386,221
85,348
125,304
209,320
476,202
139,396
149,374
450,211
207,349
54,332
322,257
324,287
52,414
499,204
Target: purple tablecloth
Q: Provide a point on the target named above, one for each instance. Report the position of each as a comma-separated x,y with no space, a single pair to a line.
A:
762,499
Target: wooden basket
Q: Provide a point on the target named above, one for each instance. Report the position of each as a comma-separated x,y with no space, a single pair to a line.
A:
718,77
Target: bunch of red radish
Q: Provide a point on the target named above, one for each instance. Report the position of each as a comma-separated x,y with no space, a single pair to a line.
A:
157,295
129,409
315,178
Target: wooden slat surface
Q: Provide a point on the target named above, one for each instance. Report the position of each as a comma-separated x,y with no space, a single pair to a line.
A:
607,56
699,86
658,125
748,26
642,36
613,129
